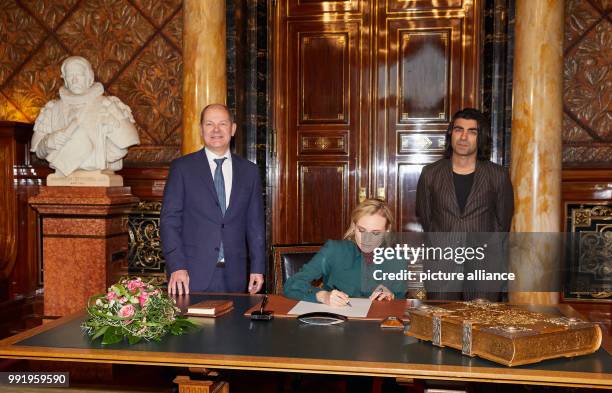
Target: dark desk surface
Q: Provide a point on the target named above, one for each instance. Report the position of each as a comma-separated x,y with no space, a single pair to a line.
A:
357,347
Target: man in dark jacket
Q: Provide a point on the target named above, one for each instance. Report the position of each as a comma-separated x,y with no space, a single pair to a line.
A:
212,215
465,192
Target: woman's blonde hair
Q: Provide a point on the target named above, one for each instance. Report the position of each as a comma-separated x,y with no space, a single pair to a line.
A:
367,208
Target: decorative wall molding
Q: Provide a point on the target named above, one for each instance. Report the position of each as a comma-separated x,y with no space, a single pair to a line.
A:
587,91
589,251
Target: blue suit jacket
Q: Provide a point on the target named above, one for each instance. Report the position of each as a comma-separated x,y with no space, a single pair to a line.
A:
192,225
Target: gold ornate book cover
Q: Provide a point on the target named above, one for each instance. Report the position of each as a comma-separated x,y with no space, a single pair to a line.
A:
506,334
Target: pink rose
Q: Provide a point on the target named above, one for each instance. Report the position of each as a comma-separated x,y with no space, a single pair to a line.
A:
134,285
143,298
127,311
111,295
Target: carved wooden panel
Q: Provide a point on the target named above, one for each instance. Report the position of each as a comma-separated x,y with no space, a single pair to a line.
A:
427,70
37,81
319,126
20,33
19,262
586,195
8,201
27,275
324,84
50,12
427,80
424,72
323,191
111,45
422,5
407,179
588,258
317,7
394,103
418,143
133,45
323,143
587,96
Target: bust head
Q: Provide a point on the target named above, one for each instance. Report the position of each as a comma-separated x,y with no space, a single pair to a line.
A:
77,74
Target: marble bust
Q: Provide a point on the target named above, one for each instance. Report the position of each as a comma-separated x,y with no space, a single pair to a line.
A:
84,134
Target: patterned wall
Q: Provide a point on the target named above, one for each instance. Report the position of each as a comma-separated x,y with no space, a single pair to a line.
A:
587,122
133,45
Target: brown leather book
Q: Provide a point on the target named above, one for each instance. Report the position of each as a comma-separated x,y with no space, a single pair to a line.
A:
503,333
210,308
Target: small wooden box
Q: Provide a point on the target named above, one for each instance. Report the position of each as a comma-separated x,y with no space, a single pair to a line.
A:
502,333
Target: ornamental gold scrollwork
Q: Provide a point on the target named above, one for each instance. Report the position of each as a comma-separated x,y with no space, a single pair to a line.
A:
144,239
322,143
592,256
582,217
596,254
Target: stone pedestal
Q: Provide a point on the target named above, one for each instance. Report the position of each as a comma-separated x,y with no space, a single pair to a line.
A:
81,178
85,242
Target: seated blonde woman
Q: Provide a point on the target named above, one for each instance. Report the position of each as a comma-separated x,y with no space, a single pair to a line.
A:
345,265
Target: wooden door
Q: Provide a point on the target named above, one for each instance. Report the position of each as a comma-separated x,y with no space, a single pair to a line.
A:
362,94
427,69
321,70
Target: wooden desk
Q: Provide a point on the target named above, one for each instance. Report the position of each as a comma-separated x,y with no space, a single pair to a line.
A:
356,348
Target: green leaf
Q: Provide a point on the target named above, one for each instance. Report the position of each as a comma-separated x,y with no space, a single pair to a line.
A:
120,290
111,337
133,339
186,323
176,330
99,332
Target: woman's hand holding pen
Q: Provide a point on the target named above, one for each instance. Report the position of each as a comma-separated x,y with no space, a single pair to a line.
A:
382,293
335,298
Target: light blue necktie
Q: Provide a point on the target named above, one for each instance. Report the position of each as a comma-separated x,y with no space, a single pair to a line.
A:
220,188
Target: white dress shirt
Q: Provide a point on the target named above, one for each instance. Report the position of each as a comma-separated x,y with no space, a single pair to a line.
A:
226,168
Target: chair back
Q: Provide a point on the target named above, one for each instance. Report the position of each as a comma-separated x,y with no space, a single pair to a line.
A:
288,260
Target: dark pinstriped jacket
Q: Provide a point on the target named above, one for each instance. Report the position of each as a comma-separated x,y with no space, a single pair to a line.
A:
489,206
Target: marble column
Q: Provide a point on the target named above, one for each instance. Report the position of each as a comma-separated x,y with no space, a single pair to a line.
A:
204,74
536,146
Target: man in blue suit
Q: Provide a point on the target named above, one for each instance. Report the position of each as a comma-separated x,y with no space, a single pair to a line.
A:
212,215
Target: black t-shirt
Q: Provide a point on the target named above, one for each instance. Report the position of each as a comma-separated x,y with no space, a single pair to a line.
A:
463,186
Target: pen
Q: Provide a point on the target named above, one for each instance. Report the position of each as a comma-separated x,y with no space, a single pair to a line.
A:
263,304
348,302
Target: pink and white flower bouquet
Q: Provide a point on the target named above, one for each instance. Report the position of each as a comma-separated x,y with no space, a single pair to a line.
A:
135,310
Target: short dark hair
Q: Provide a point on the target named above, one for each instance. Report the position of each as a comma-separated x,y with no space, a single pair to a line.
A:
207,107
484,133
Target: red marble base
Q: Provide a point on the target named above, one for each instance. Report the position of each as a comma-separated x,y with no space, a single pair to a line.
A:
85,242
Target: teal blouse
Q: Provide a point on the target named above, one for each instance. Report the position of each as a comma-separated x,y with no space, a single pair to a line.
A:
341,265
